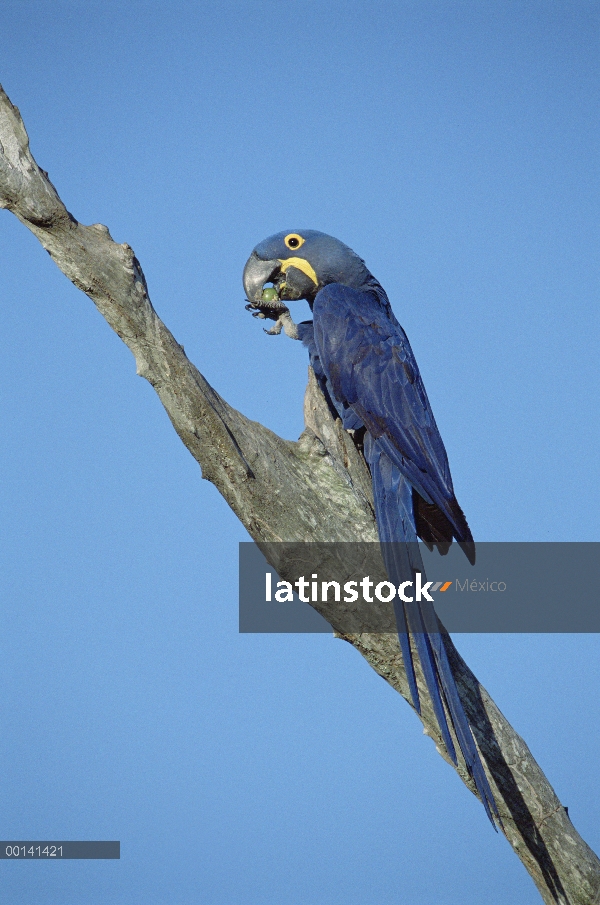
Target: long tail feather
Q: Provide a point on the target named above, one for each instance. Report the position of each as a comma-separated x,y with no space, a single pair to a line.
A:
462,728
397,533
402,626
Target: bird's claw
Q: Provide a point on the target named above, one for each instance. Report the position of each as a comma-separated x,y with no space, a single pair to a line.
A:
272,312
275,330
277,312
256,312
284,322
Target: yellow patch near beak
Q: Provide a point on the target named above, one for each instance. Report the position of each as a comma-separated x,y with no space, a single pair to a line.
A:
299,264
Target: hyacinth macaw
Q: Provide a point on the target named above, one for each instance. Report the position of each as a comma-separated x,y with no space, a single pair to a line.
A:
363,361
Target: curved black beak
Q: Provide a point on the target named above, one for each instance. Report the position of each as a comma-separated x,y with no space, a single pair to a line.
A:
256,274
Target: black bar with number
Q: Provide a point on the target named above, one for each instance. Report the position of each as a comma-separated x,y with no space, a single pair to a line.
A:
58,851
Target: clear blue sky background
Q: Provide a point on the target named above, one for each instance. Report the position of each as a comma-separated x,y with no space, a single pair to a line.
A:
454,146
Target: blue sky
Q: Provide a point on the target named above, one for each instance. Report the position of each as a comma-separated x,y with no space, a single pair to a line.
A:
454,147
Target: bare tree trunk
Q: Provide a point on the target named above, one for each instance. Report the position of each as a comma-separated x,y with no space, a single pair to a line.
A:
317,489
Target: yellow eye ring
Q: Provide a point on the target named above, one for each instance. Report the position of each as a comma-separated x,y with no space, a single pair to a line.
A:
294,241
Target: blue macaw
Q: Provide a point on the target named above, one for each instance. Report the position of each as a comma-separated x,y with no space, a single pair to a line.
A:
366,368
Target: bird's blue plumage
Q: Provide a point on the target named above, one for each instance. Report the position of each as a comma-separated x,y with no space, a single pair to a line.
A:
365,365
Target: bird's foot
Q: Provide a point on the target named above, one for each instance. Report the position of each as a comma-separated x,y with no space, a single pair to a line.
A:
284,322
277,312
270,310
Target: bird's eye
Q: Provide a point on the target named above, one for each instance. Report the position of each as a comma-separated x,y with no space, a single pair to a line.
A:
294,240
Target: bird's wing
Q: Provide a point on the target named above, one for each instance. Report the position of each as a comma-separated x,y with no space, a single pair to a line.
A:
371,367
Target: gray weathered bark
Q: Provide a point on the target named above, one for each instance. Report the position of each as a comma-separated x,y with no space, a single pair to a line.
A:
317,489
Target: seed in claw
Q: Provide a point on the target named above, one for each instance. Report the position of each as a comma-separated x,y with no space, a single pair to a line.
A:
269,294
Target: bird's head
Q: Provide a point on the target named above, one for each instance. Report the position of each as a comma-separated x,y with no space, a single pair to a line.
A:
298,263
